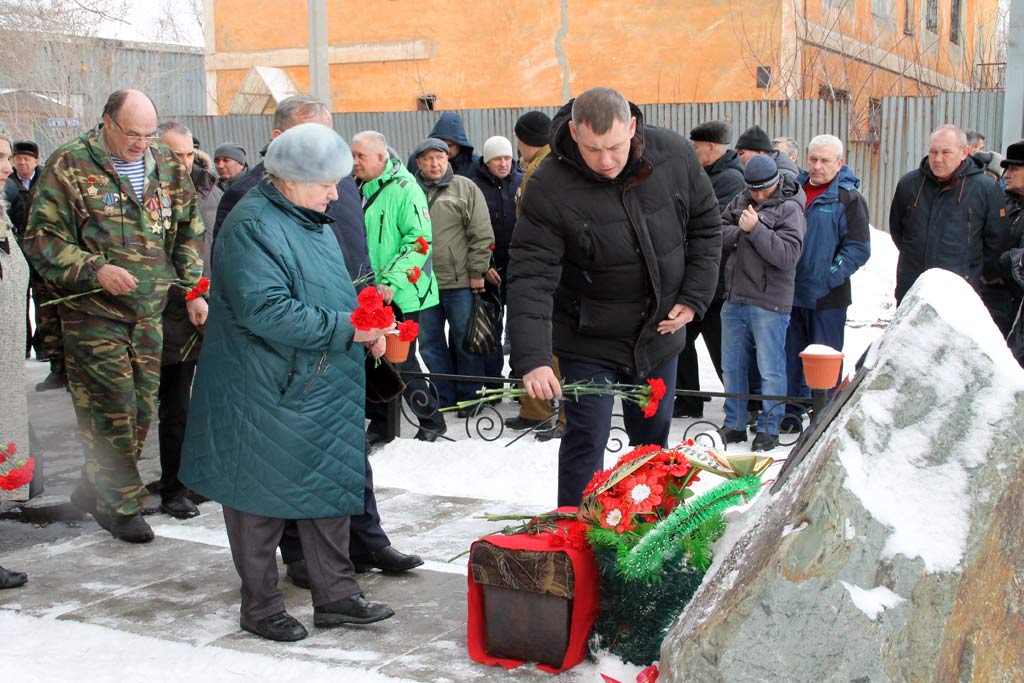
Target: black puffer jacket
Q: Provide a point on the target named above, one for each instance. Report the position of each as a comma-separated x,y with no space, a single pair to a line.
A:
726,174
603,260
760,266
959,226
500,194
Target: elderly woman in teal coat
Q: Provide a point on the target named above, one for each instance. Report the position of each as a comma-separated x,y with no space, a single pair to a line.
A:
276,424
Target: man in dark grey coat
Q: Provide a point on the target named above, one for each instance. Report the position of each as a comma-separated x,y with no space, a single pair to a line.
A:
762,236
615,252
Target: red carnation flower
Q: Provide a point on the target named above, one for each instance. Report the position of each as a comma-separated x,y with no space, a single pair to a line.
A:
556,539
18,477
578,536
657,388
493,247
650,408
383,317
11,448
361,319
408,330
413,274
202,287
370,298
422,246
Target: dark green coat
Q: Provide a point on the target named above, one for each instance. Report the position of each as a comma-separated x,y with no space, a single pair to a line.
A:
276,422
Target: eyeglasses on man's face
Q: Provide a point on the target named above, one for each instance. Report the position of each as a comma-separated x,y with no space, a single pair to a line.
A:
135,137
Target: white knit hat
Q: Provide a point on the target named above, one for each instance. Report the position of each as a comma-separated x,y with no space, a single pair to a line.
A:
497,147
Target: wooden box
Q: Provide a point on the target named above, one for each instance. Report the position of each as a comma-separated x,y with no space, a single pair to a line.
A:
527,602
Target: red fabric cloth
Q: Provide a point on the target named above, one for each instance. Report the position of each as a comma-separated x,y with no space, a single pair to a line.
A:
813,191
586,599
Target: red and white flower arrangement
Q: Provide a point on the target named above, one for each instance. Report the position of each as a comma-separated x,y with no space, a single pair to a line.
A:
13,473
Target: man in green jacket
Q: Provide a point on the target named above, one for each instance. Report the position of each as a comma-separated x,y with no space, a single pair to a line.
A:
461,256
398,235
115,223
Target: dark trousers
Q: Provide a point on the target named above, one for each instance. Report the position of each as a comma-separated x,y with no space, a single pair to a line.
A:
809,326
174,393
253,541
588,423
688,369
365,536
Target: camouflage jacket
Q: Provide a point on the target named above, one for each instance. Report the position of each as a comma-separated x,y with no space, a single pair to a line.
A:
85,216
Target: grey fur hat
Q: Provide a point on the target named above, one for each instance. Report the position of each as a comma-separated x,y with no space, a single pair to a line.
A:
308,153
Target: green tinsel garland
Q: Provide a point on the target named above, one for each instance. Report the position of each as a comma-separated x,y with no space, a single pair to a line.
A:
642,553
635,615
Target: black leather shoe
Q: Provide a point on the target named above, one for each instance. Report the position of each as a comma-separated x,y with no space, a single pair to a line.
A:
387,559
130,528
732,435
752,416
556,432
297,574
430,435
84,499
764,442
10,579
282,627
353,610
681,409
180,508
521,423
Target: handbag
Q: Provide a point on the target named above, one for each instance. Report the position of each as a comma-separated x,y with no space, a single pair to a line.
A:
482,327
383,382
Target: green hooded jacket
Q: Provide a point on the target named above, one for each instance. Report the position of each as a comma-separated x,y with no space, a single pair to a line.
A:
396,215
85,216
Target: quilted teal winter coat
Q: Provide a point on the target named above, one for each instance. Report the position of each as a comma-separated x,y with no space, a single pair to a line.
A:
276,422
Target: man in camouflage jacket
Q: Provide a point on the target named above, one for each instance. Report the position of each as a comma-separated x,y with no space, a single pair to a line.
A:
115,222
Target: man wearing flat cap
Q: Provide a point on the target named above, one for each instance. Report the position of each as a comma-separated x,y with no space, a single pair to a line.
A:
461,256
230,161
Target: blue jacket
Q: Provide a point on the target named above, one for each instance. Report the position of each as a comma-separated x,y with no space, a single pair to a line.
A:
836,244
276,421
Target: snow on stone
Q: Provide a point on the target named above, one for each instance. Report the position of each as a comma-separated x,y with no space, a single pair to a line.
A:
926,504
874,284
874,601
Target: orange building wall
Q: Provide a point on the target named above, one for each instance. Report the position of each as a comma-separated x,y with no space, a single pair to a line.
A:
510,53
502,54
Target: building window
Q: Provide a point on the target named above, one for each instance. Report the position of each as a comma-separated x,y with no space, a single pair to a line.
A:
874,121
931,15
954,22
908,17
425,102
827,92
764,76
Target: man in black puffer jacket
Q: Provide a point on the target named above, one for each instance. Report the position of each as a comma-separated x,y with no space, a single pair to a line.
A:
947,214
616,250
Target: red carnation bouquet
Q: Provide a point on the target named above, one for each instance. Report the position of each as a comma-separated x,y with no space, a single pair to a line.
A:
372,313
14,474
202,287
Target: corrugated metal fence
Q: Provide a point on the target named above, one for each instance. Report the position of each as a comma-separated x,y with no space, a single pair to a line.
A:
905,126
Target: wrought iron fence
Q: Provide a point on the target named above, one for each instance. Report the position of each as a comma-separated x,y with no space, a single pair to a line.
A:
422,403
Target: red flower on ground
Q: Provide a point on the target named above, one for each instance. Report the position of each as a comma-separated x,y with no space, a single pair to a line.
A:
577,533
637,453
616,515
408,330
597,481
555,539
19,476
422,246
413,274
202,287
642,491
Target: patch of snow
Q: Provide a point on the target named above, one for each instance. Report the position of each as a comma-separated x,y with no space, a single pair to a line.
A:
193,532
820,350
874,601
851,531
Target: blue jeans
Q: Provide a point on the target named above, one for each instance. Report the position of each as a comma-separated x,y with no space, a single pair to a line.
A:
588,423
444,354
744,326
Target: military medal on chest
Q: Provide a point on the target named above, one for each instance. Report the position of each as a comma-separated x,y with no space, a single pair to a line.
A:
153,205
109,199
91,190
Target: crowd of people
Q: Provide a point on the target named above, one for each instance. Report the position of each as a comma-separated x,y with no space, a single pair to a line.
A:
612,245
